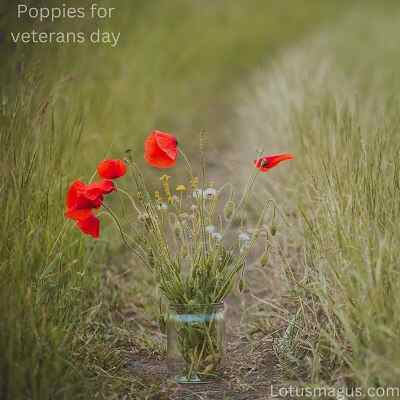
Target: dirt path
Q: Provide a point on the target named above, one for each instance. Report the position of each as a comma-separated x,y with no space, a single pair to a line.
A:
251,367
249,373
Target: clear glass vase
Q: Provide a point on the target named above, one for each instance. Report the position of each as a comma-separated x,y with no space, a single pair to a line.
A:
195,346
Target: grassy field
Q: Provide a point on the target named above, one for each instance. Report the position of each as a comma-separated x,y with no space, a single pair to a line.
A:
335,100
326,87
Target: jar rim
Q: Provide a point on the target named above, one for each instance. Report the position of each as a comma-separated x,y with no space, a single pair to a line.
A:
196,305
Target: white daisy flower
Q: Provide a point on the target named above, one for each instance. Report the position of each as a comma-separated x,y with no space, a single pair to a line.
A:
244,237
162,206
210,229
209,193
216,236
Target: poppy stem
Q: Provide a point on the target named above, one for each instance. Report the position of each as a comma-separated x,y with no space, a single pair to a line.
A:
130,198
242,201
116,220
92,177
187,162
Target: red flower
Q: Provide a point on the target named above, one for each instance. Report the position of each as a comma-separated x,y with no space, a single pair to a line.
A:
111,169
82,199
81,196
90,225
160,149
267,162
97,190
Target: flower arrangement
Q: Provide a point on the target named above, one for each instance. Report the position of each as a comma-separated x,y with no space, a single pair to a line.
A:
192,236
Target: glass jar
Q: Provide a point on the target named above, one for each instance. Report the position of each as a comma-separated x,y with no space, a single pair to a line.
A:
195,342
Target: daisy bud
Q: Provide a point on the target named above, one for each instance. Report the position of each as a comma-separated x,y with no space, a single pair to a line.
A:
264,258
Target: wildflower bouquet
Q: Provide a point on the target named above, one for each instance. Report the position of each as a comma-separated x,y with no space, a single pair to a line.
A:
192,236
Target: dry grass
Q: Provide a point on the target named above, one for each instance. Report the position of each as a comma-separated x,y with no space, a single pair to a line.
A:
334,100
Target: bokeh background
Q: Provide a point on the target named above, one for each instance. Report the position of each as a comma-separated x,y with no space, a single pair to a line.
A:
316,77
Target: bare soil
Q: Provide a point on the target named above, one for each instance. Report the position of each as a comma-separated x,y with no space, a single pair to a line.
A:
250,371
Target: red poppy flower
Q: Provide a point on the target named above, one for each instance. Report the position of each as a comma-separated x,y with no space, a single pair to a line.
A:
82,199
111,169
265,163
161,149
81,196
96,190
89,225
78,199
78,215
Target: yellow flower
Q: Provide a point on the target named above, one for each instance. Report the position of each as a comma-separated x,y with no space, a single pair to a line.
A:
195,182
157,195
181,188
165,178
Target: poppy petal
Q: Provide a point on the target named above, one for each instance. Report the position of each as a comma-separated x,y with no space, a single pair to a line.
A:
96,190
73,191
90,226
107,186
265,163
167,143
82,198
111,169
78,214
160,150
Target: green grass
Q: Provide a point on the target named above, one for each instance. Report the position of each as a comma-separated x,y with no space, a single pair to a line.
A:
346,129
175,69
351,155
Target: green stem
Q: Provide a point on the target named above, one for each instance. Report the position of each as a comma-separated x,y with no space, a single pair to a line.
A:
130,198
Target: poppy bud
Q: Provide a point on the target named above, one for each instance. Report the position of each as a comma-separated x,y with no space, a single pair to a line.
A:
265,257
274,229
